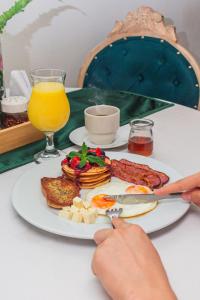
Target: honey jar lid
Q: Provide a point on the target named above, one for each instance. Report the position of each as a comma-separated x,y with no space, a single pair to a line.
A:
14,104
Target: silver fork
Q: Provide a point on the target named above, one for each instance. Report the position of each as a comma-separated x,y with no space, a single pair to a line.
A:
113,213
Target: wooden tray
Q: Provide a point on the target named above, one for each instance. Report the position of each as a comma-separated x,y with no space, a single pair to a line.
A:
17,136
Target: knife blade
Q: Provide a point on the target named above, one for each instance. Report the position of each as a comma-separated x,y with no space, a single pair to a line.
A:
141,198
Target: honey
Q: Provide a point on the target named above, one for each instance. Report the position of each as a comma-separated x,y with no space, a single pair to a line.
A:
141,137
140,145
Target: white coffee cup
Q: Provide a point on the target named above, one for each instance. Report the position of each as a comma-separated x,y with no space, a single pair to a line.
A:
102,123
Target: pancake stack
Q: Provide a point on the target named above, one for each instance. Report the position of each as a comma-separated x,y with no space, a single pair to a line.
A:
90,179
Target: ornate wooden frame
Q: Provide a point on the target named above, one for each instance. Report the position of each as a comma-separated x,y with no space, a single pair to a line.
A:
142,22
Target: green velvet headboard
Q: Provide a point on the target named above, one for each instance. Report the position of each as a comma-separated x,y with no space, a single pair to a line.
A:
147,66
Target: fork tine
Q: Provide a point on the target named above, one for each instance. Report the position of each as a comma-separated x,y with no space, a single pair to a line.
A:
113,213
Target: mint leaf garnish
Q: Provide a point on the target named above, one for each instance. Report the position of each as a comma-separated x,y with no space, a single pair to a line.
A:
85,156
73,154
84,149
96,160
83,163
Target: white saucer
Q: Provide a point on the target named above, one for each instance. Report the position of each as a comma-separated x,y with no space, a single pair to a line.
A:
79,135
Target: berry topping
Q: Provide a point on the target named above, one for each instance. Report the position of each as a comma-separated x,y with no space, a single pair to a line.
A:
87,167
64,161
74,162
92,152
85,158
98,152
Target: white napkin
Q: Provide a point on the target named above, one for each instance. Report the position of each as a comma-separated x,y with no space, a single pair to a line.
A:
19,84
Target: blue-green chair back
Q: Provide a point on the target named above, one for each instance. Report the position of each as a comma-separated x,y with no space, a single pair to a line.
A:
147,66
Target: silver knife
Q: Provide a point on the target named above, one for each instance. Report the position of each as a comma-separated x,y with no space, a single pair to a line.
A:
141,198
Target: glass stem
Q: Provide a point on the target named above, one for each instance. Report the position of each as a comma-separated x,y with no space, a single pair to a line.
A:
50,148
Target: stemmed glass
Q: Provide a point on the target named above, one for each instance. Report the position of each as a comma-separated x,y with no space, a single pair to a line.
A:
48,108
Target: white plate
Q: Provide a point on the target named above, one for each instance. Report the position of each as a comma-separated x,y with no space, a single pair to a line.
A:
30,204
80,135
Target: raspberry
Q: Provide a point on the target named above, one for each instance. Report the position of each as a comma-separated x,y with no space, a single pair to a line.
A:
64,161
87,167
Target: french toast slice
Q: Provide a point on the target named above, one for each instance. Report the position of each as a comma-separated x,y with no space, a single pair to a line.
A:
59,192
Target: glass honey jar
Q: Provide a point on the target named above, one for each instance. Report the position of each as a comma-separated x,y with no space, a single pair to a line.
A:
141,137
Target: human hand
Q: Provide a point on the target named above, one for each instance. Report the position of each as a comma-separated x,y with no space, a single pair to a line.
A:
128,265
190,186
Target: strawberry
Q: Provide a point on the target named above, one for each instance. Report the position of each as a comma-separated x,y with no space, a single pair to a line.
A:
98,152
74,162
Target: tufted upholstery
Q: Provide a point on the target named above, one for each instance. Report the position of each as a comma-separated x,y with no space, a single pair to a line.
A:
147,66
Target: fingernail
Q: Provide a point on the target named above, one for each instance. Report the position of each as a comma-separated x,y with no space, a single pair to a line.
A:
187,197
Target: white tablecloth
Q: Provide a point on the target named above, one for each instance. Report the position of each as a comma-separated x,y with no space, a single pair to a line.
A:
37,265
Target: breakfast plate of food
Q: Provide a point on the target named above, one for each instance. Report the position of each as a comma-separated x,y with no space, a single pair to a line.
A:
70,195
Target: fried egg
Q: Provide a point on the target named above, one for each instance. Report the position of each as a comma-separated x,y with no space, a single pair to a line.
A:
97,198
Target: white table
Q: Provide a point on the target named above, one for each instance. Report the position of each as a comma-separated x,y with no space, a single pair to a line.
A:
37,265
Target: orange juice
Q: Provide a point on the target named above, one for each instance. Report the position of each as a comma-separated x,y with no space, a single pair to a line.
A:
48,109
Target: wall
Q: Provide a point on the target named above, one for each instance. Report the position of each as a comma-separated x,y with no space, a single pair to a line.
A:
53,33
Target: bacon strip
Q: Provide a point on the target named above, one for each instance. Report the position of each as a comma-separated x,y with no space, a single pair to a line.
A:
137,173
163,177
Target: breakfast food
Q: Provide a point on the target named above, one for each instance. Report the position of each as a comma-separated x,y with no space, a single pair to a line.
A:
59,192
92,169
138,173
80,212
89,168
163,177
97,198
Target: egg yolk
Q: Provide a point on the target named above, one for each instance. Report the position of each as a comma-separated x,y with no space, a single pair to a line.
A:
137,189
100,201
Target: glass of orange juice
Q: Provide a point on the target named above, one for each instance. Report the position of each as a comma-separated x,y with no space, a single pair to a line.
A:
48,108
